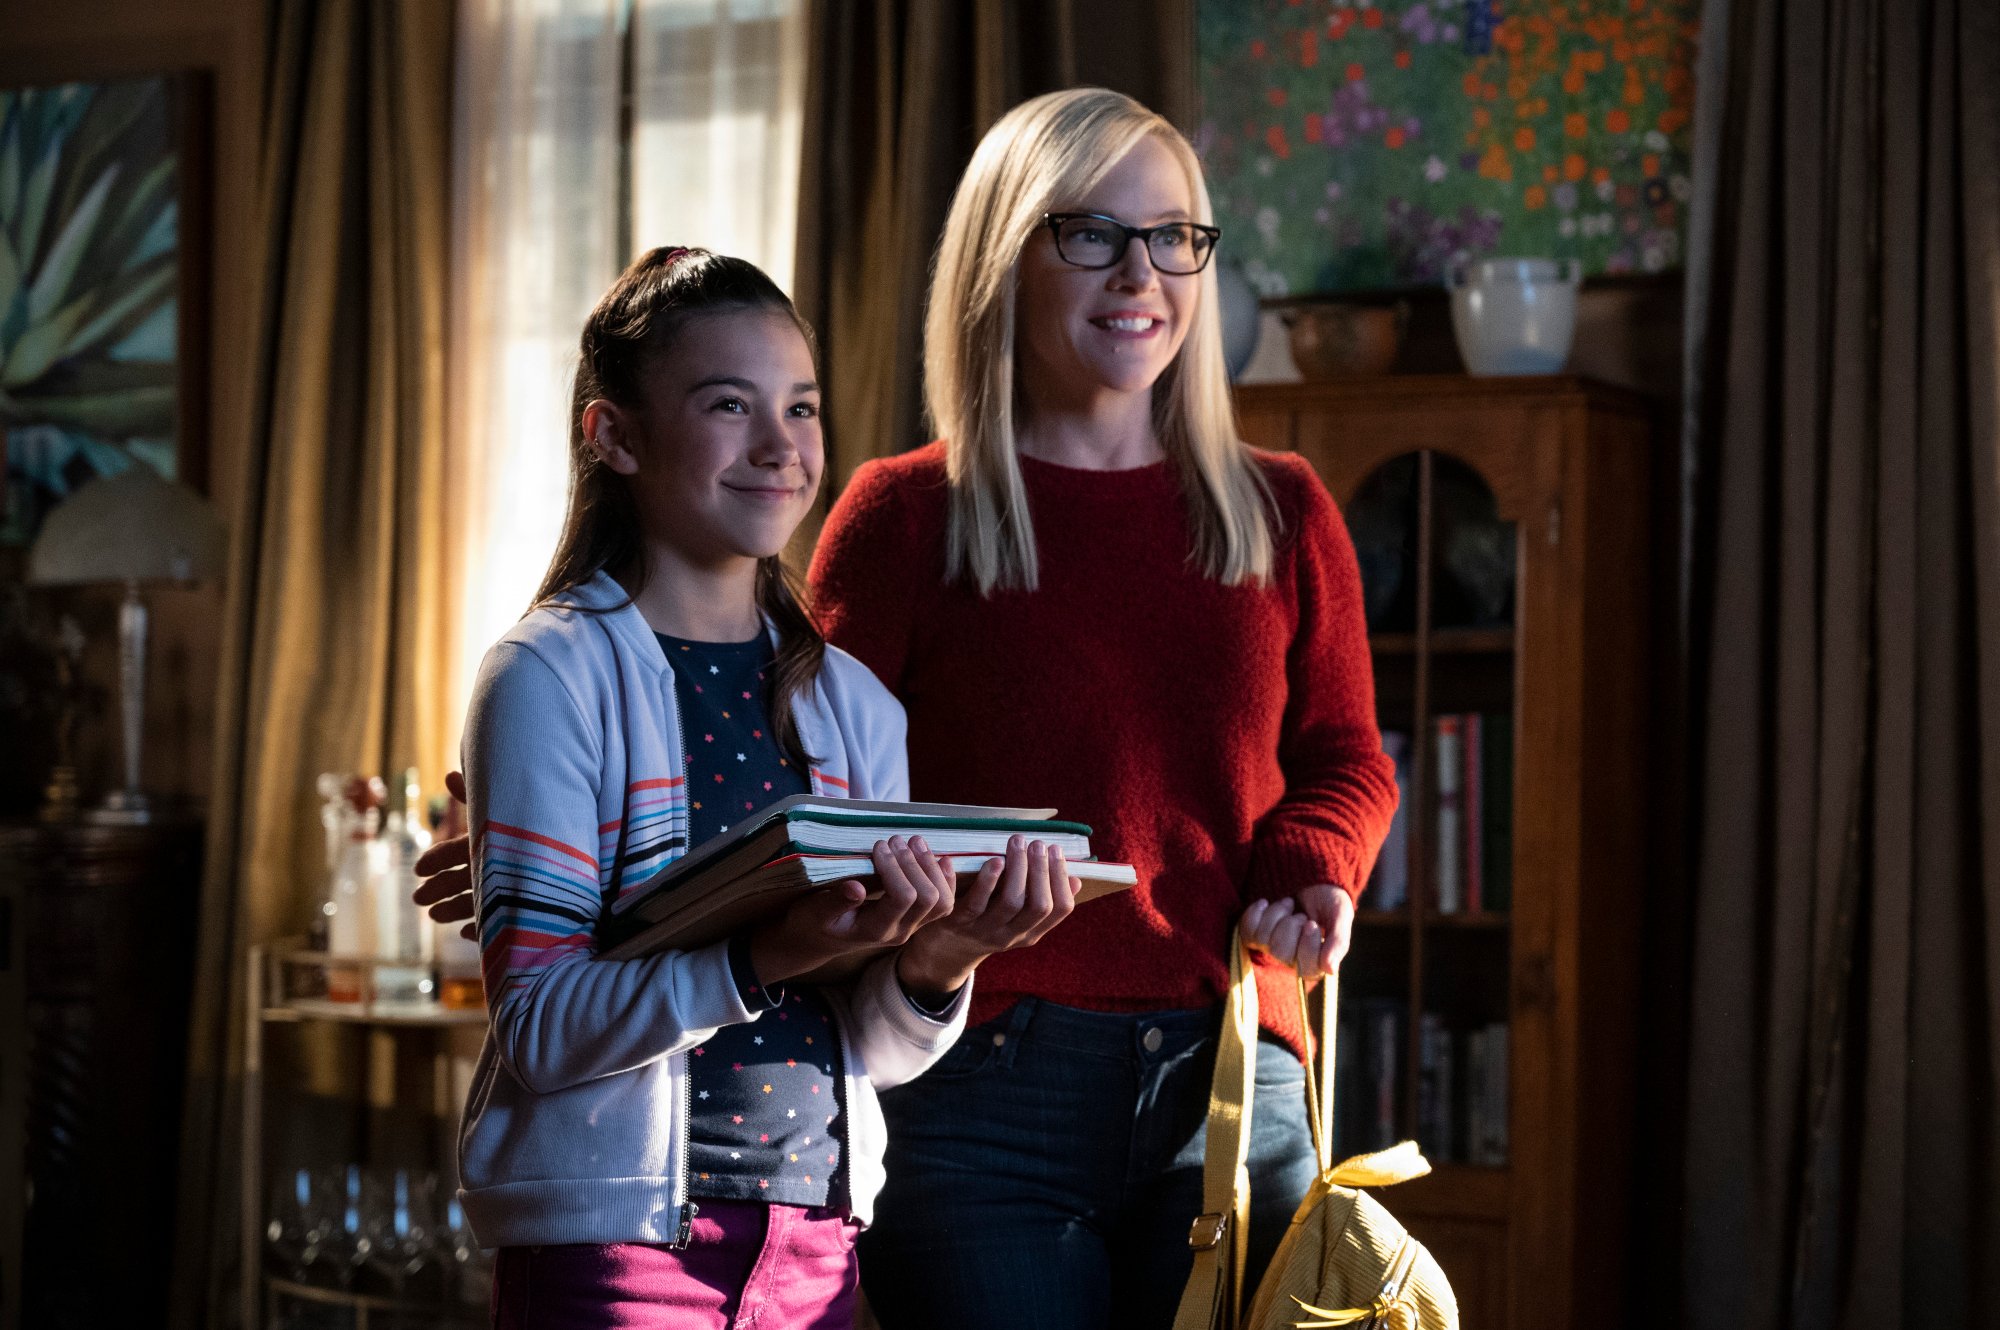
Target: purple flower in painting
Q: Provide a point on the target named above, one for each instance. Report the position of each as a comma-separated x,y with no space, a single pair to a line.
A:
1418,23
1468,161
1422,244
1434,170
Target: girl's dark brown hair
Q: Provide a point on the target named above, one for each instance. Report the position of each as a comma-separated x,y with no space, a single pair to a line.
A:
637,321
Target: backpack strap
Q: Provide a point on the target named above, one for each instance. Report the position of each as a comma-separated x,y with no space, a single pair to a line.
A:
1214,1292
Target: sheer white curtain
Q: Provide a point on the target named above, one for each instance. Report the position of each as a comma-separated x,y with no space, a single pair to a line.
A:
536,238
555,190
718,92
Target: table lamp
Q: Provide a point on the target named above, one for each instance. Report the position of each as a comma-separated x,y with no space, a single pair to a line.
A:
134,527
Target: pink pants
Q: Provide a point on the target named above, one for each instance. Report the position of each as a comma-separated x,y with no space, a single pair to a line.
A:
772,1267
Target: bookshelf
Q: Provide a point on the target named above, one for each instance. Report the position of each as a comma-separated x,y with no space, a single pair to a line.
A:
1489,1006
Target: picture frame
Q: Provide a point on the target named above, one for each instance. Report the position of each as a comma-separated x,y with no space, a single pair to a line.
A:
104,284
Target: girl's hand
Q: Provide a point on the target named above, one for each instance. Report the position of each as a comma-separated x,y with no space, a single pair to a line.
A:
1012,903
446,867
1310,933
840,920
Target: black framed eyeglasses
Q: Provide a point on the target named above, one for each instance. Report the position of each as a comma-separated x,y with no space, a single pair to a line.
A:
1092,240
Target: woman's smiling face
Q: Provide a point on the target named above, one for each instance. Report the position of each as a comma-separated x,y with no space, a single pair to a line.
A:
1084,332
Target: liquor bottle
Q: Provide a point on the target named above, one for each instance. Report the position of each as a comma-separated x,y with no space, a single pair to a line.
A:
459,984
403,933
353,900
333,820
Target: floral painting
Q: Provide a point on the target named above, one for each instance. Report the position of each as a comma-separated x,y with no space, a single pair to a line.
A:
89,263
1362,144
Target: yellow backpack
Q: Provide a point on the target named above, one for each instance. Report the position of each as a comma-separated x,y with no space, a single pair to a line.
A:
1344,1261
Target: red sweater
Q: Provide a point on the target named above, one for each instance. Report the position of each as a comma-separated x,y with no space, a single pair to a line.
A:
1222,739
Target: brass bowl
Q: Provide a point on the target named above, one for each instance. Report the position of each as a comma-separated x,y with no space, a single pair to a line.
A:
1338,339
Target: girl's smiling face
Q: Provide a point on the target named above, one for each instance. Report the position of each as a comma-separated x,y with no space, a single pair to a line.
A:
1084,331
730,453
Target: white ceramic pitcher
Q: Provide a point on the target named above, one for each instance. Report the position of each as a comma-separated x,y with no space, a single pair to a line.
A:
1514,316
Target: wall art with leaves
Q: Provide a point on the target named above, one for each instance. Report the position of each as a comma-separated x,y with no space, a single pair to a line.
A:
90,265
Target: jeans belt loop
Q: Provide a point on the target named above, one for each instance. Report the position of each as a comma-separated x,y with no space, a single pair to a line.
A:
1018,1021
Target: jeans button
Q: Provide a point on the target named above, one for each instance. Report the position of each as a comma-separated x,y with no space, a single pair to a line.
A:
1152,1039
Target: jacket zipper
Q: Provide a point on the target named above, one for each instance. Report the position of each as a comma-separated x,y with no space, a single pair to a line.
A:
687,1206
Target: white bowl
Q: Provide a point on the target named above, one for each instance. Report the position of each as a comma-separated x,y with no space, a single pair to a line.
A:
1514,316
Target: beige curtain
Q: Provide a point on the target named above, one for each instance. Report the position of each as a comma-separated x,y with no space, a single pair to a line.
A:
1844,446
334,649
897,94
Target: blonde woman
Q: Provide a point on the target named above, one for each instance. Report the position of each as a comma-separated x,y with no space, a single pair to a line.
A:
1090,594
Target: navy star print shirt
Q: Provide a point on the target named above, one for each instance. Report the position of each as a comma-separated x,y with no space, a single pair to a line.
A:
766,1121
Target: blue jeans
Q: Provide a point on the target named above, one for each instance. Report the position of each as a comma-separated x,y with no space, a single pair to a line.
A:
1043,1175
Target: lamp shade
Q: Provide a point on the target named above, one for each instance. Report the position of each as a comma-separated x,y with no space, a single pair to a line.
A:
136,526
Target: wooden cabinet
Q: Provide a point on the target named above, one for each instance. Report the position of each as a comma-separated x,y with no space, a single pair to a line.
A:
99,928
1502,529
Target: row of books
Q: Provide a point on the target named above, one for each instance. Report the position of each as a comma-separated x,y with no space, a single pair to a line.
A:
1461,1084
1471,848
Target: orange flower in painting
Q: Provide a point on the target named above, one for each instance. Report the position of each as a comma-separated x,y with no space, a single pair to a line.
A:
1355,73
1524,139
1573,82
1550,174
1481,117
1635,93
1402,59
1472,83
1276,96
1535,198
1575,167
1258,50
1372,19
1672,119
1618,122
1275,137
1517,88
1308,49
1649,165
1591,61
1495,164
1394,138
1600,175
1577,125
1491,92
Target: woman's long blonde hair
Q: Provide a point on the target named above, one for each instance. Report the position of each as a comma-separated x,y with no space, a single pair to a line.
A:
1044,152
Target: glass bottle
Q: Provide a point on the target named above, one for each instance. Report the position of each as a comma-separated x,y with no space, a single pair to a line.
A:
353,902
404,934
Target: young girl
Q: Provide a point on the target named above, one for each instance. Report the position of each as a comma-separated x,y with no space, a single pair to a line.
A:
686,1139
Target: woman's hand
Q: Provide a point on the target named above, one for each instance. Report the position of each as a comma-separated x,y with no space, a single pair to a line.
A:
1309,932
1012,903
840,920
446,868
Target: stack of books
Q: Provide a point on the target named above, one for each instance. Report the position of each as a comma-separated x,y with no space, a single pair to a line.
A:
798,844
